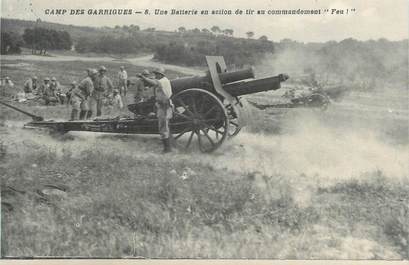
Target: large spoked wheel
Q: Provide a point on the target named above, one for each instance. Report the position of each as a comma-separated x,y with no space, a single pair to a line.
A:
199,116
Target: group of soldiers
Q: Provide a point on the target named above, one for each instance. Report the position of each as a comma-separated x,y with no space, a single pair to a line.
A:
50,90
87,97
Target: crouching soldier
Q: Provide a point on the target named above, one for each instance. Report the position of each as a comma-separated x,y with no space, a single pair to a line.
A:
49,92
164,106
117,100
58,90
30,87
75,98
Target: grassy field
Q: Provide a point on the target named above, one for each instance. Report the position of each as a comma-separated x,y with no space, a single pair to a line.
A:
294,185
65,72
116,204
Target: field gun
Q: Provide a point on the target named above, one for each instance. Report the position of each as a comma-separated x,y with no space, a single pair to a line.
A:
207,109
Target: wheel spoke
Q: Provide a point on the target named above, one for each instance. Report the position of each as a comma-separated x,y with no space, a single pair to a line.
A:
182,133
199,140
216,130
184,106
212,120
202,103
181,123
208,137
210,111
183,115
190,140
234,123
194,107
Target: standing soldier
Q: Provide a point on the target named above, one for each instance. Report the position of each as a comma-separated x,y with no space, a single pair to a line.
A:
141,86
162,86
102,87
86,86
30,85
123,79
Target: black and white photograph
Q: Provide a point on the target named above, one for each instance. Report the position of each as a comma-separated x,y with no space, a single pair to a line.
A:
187,129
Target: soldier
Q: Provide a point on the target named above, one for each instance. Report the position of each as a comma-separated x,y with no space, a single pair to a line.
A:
102,87
164,106
123,80
30,86
46,84
57,88
87,86
117,100
141,87
75,98
6,84
48,92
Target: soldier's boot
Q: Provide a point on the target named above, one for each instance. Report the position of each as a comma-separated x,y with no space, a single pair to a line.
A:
82,114
74,115
89,114
166,146
172,140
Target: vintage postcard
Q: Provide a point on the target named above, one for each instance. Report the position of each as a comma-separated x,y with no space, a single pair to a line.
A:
246,130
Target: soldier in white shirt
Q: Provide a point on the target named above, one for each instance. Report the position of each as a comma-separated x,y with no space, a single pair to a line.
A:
164,110
123,79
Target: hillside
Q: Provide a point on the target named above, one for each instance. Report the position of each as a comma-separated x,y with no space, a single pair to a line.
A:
347,59
76,32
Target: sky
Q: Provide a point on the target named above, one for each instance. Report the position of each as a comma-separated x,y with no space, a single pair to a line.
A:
372,19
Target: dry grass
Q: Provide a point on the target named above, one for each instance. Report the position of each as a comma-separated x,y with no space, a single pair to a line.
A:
115,205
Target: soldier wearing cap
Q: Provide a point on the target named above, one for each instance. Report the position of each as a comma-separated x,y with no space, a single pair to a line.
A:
55,85
102,87
164,106
75,97
86,86
123,79
30,85
141,87
49,92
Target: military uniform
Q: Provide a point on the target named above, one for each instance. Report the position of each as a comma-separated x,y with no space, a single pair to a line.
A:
76,97
163,104
57,88
86,87
49,94
123,81
102,85
29,86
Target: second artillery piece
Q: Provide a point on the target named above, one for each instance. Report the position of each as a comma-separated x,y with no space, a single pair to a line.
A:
207,109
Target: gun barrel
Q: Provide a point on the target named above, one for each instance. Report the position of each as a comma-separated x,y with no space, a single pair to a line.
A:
34,117
205,82
255,86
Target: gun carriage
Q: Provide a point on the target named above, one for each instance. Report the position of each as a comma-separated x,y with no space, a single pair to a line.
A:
207,109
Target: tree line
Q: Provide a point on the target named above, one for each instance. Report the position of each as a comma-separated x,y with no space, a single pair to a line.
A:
38,39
